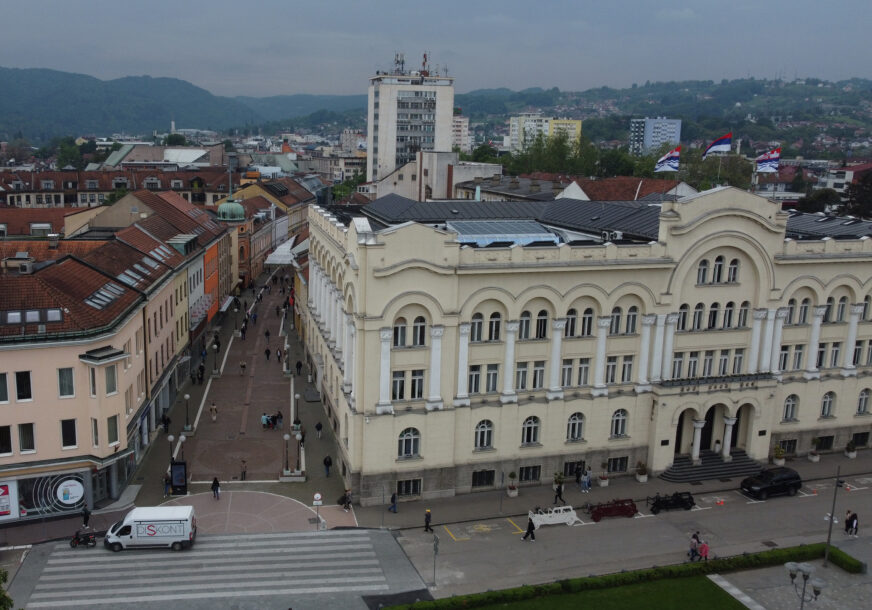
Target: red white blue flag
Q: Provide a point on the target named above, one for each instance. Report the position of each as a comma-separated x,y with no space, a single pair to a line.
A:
669,161
722,144
767,163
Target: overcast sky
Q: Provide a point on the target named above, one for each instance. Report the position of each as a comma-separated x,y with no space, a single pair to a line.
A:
271,47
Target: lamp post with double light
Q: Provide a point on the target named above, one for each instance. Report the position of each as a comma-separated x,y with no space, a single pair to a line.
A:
805,570
171,439
299,452
187,420
287,438
215,366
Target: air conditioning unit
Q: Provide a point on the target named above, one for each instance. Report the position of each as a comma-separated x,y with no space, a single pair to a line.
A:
612,235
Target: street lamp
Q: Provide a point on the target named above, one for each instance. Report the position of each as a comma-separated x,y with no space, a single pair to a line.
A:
182,439
296,407
187,422
171,438
806,570
299,452
287,438
215,366
235,318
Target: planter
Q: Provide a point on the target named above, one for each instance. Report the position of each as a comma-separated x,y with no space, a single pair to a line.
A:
603,482
814,457
851,454
512,492
778,461
642,478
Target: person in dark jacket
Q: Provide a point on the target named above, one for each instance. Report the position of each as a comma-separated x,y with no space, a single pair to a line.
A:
531,530
427,518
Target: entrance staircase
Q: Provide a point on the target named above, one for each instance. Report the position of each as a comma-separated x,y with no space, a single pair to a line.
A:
712,467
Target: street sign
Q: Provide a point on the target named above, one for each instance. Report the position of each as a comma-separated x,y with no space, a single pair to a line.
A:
317,501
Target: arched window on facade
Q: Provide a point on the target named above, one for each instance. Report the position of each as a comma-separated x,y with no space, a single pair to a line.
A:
802,316
863,402
828,312
702,272
400,332
571,323
733,271
484,434
827,404
743,314
698,313
619,423
409,444
575,427
791,311
714,314
718,270
493,327
524,325
681,324
632,315
841,308
790,407
542,325
866,307
475,327
530,431
729,308
587,323
615,325
419,329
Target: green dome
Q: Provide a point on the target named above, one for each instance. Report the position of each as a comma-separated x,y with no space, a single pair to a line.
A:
231,210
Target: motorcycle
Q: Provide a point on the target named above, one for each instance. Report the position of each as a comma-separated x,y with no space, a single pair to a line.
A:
83,539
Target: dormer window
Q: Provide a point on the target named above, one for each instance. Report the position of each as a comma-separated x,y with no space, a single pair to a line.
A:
151,184
119,183
176,184
47,185
91,184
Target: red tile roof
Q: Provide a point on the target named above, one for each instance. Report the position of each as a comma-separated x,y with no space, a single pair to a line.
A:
624,188
140,239
17,220
40,250
127,264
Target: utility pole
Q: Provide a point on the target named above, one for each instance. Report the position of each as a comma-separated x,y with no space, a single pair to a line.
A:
838,484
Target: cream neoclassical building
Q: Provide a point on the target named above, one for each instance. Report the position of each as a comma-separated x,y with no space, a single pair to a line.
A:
456,342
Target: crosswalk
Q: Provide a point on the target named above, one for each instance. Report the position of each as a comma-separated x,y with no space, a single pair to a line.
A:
215,568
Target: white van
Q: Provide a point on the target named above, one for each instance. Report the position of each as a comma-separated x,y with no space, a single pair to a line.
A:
155,526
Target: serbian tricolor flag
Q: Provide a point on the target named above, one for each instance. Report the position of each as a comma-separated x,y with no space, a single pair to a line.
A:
767,163
722,144
669,161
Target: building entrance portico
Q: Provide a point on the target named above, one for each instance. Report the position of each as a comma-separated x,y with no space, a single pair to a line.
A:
717,431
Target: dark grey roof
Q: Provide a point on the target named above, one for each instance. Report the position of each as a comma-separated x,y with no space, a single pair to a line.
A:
815,226
393,209
515,187
636,219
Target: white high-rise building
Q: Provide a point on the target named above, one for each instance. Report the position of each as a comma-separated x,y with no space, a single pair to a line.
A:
460,134
409,110
649,134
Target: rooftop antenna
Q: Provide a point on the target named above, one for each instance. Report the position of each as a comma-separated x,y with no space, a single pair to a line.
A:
399,63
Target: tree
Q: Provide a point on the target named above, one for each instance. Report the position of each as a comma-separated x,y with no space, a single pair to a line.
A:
175,139
818,201
115,196
6,602
228,146
68,155
859,194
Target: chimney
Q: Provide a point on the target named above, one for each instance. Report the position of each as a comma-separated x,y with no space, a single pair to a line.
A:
514,183
534,186
53,240
496,179
478,179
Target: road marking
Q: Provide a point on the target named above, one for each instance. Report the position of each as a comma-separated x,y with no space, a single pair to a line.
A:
641,516
749,499
519,530
701,508
452,535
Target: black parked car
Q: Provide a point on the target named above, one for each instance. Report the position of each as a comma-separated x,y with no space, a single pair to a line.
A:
679,499
772,481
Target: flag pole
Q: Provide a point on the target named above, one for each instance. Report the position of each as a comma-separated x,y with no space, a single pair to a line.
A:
720,157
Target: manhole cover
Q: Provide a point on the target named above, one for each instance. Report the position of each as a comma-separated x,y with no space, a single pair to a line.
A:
725,480
696,482
769,543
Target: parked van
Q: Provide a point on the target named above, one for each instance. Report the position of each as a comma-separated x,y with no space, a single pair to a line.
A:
155,526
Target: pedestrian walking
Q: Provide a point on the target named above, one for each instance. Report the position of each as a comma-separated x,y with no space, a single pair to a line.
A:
346,505
427,518
266,334
213,411
254,318
166,423
853,525
244,468
279,309
318,428
558,493
242,331
693,553
266,353
704,550
279,355
166,482
299,368
531,530
216,488
242,367
393,506
264,420
302,436
86,516
328,462
585,481
279,420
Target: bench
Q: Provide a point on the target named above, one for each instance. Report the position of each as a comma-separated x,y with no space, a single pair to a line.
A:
616,508
554,516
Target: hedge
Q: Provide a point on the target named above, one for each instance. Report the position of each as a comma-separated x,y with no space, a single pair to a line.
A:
746,561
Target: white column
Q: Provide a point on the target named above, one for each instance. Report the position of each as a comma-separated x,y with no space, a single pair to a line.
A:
348,354
340,327
754,350
313,287
599,375
729,422
462,398
848,368
322,297
555,392
766,355
331,314
642,384
434,399
698,425
811,369
508,394
668,342
657,360
352,357
780,316
384,379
